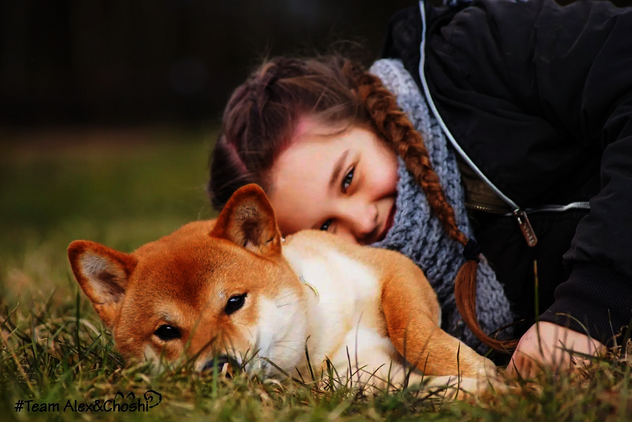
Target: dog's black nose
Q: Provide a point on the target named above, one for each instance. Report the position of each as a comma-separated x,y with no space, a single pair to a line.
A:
220,361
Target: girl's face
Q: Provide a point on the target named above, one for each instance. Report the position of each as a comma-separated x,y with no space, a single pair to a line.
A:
339,179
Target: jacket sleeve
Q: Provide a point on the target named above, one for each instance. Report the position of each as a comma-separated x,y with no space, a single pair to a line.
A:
572,68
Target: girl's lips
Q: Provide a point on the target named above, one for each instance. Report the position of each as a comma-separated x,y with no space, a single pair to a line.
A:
388,223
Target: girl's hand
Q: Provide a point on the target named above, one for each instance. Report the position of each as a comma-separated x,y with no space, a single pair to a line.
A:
552,350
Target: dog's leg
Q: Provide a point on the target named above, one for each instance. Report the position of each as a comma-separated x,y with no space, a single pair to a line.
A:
413,330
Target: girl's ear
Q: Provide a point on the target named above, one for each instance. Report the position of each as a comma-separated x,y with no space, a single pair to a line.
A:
248,221
103,274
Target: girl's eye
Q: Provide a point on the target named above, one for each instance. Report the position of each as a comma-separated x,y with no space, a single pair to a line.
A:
325,225
346,182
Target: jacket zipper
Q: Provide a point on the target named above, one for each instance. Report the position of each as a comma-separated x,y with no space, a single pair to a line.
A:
544,208
519,213
523,219
488,210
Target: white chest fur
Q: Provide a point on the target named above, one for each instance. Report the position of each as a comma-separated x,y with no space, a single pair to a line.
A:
344,320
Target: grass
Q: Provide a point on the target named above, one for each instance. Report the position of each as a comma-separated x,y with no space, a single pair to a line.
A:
54,349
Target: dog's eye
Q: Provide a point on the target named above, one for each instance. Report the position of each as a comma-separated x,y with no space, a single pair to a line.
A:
167,332
235,303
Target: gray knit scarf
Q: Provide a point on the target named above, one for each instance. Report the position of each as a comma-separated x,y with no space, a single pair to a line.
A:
418,233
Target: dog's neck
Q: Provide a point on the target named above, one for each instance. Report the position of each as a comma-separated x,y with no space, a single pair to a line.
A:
337,297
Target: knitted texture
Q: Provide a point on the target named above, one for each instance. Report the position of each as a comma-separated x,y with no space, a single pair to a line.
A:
418,233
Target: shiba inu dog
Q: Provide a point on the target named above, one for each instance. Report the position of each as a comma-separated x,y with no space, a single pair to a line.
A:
232,287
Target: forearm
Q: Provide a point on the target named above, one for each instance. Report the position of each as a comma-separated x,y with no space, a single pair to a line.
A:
595,300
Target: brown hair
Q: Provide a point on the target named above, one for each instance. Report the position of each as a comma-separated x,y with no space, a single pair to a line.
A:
261,117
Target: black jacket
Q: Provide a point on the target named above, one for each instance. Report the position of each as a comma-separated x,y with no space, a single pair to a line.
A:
539,98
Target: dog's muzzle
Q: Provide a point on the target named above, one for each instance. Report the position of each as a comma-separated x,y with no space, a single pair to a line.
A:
224,363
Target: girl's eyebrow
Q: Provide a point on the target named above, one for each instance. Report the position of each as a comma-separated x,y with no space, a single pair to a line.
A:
338,168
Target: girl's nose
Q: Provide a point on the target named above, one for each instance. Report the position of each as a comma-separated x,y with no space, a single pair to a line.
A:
362,219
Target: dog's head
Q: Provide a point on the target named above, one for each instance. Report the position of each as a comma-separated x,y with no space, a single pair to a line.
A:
210,289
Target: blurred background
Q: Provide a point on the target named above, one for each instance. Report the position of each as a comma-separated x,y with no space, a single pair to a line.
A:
122,62
108,62
108,109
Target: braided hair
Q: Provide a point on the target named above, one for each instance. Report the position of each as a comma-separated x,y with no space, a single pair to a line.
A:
261,117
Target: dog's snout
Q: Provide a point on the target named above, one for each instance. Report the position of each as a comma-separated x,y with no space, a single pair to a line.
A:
221,361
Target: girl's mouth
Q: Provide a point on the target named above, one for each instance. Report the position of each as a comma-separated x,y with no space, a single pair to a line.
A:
390,218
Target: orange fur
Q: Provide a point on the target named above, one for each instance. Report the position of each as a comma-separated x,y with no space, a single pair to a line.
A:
185,280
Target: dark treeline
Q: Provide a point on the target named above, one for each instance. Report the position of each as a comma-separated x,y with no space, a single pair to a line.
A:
167,61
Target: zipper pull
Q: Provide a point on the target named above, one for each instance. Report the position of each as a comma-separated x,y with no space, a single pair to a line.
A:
525,226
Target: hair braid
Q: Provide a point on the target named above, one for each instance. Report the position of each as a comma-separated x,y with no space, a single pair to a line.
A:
396,129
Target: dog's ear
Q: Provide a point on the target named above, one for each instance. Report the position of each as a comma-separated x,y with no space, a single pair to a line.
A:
103,274
248,220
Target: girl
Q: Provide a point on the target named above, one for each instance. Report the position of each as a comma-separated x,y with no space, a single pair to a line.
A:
489,107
